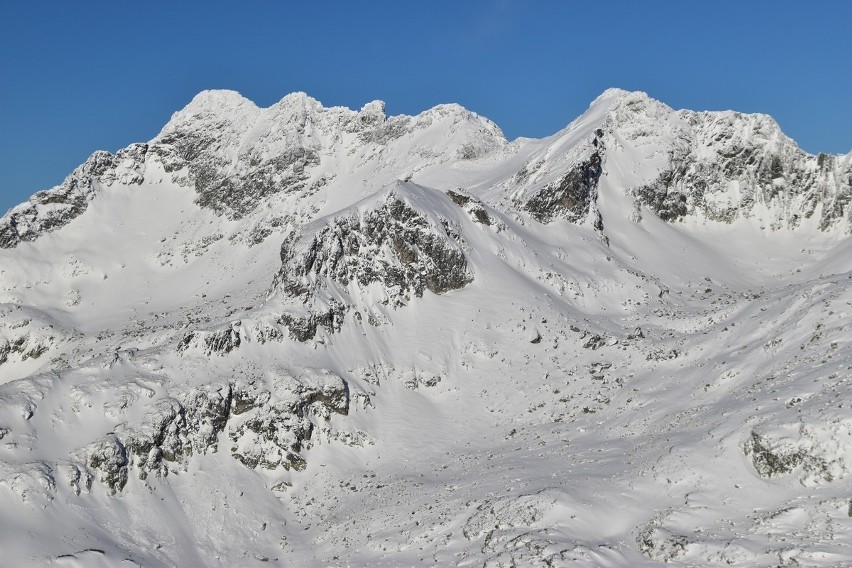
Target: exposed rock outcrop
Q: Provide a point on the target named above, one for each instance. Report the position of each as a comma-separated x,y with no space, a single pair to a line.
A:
109,457
473,206
219,342
814,454
571,197
267,425
390,247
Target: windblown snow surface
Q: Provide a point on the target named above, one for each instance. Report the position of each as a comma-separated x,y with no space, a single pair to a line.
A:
308,336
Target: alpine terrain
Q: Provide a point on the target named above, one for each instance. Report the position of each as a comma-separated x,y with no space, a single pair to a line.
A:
309,336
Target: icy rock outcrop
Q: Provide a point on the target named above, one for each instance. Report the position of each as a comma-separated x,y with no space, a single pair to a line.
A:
751,153
27,341
411,377
237,193
503,513
34,483
268,425
178,428
742,176
319,315
561,181
109,457
391,245
516,531
79,477
660,544
815,454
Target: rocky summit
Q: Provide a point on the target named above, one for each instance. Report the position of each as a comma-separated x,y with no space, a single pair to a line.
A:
315,336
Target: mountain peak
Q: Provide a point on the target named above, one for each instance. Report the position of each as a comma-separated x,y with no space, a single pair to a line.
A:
617,92
617,96
217,100
374,107
299,99
372,113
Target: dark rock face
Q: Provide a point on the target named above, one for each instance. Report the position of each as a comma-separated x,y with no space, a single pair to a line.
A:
305,328
662,197
473,207
392,245
235,189
219,342
571,197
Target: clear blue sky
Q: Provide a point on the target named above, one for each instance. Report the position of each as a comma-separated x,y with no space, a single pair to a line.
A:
80,76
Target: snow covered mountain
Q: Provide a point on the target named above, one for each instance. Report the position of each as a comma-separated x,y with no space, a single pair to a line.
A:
318,336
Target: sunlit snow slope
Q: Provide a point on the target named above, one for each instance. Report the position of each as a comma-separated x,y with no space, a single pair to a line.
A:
313,336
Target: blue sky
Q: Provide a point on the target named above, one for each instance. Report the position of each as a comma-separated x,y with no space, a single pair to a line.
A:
81,76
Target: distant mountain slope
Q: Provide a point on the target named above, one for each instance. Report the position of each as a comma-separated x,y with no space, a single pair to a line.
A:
318,336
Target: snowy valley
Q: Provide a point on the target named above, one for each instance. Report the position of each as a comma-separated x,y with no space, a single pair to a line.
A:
309,336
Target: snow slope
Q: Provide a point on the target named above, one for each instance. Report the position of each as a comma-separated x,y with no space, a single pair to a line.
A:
315,336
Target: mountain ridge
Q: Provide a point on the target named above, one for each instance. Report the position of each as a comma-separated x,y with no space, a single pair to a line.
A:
328,337
253,146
